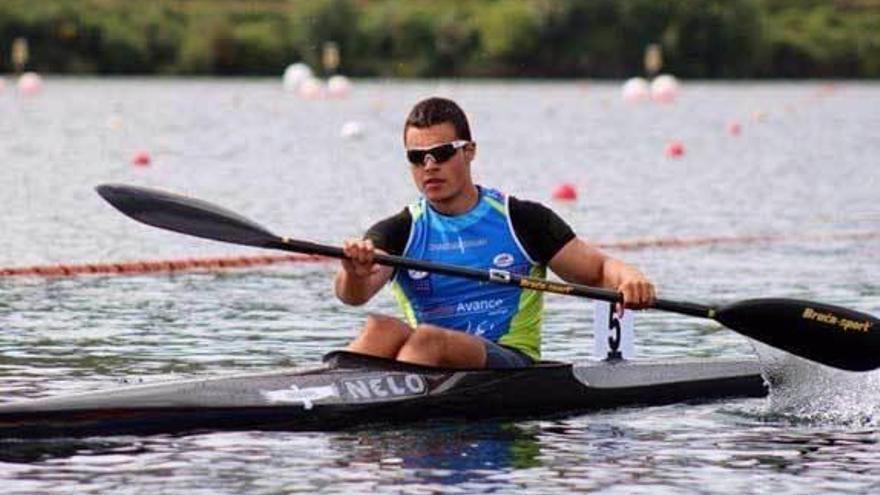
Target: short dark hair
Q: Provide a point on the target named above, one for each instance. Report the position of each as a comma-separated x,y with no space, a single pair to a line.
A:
434,111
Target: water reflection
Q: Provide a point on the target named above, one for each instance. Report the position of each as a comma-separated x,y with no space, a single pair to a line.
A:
453,449
791,450
34,451
667,449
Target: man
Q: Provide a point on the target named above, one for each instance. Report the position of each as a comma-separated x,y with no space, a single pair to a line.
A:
455,322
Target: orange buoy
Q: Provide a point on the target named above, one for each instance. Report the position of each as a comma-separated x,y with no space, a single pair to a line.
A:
338,86
29,83
311,89
664,88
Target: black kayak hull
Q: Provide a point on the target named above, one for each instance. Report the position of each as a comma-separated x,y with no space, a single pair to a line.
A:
352,390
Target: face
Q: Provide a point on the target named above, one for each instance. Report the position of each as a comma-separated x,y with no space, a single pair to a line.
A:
440,182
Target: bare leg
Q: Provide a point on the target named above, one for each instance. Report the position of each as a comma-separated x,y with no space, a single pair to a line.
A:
431,345
381,336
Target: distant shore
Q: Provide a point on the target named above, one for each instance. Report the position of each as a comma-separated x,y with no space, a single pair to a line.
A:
705,39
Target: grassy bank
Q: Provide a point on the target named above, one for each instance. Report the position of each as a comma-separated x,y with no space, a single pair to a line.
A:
449,38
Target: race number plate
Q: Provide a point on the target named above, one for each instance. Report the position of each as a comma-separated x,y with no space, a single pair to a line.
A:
612,335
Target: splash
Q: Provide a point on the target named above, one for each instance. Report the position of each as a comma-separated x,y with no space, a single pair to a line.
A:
802,391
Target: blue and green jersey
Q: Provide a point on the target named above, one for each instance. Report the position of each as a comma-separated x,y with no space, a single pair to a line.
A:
483,238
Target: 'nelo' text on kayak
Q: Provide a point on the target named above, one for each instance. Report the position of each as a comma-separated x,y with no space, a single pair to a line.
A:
385,386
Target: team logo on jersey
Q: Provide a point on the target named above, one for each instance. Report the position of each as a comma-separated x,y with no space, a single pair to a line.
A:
479,306
420,282
503,260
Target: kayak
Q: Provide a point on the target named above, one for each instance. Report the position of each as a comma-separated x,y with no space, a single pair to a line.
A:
351,390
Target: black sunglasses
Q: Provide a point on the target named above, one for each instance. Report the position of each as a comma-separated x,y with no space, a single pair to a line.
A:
440,153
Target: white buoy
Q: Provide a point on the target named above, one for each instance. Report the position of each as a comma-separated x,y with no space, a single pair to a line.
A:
352,130
634,90
338,86
664,88
295,74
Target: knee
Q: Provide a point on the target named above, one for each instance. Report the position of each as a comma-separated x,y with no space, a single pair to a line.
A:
380,324
427,335
375,320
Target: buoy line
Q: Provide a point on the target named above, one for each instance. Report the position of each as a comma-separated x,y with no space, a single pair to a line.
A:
244,261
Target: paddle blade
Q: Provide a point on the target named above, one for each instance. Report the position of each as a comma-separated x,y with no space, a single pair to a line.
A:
827,334
185,215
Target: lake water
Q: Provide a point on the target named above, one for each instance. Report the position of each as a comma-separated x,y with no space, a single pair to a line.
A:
804,168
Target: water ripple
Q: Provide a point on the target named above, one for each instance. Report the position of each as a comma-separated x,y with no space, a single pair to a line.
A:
243,144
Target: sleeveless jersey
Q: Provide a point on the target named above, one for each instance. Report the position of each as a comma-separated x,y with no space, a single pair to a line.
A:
480,238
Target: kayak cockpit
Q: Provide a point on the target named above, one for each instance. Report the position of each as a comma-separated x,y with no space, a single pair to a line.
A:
346,360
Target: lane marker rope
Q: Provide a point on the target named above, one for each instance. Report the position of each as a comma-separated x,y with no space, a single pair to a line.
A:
688,242
226,262
151,266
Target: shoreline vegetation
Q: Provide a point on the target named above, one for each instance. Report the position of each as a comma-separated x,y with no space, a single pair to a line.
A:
602,39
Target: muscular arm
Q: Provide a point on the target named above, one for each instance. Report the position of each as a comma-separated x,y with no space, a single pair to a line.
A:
582,263
549,240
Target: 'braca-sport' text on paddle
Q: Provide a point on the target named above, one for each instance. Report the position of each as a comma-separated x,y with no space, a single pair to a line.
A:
831,335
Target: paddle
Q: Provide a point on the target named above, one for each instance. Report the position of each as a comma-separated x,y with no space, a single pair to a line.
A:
831,335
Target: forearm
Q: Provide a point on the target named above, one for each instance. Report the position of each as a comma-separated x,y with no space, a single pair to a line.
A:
613,272
353,290
582,263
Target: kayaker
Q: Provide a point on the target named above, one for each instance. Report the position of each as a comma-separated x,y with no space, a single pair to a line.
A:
451,321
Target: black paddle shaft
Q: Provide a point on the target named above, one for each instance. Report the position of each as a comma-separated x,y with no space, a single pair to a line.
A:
492,275
831,335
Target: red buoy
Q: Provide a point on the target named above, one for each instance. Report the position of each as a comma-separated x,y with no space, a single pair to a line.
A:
674,149
734,128
140,158
565,192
